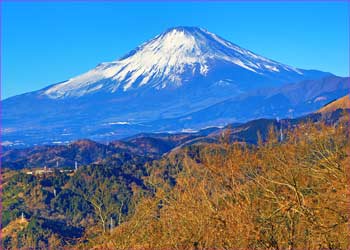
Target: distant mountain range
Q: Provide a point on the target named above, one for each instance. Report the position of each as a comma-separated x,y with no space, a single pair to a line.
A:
185,79
153,146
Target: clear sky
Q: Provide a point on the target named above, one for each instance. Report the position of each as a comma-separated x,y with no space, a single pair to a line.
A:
48,42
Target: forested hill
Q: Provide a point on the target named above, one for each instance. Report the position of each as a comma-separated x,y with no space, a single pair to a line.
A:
201,196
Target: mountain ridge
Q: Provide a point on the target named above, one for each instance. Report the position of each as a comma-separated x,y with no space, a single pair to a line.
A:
340,103
155,145
155,90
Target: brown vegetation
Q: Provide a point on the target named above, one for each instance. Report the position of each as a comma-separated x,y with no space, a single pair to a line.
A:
341,103
292,194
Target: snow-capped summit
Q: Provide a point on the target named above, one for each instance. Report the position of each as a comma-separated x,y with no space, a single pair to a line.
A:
170,60
182,80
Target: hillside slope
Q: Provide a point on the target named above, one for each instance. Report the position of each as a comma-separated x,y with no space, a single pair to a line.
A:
341,103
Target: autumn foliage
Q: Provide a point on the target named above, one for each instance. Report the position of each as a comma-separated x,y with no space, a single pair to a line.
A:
279,194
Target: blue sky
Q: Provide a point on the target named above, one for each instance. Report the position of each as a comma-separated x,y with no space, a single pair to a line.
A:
45,43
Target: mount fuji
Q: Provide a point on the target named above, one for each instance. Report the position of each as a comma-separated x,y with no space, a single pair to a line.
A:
181,80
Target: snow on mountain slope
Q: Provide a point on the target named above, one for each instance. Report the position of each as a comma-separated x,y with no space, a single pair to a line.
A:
185,78
167,61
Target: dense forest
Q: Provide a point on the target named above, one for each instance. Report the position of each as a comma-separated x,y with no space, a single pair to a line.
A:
287,191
